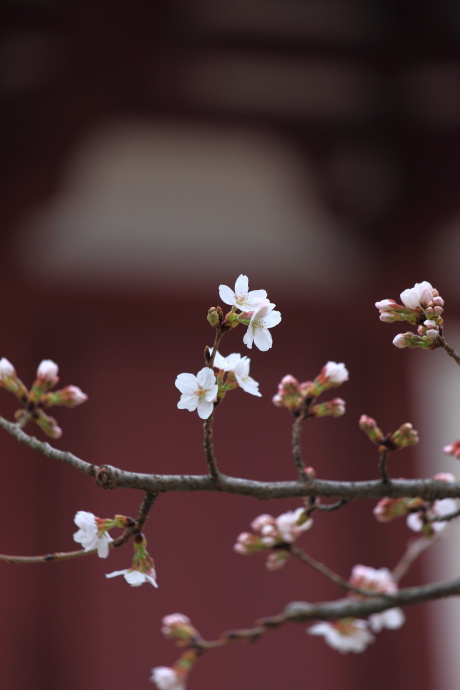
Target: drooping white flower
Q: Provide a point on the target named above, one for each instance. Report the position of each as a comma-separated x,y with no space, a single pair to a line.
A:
392,619
89,535
226,363
245,381
346,635
198,392
47,371
166,678
261,320
418,296
6,369
241,298
134,577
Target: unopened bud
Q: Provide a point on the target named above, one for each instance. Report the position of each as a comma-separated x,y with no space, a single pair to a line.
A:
370,428
406,435
213,316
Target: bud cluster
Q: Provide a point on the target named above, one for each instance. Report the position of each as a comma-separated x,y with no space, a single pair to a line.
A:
405,436
40,395
274,533
423,307
292,394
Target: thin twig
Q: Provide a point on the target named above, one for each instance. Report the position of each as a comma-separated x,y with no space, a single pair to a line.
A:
327,572
413,551
383,465
46,558
448,348
209,448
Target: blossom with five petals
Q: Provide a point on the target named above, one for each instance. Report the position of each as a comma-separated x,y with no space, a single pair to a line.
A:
198,392
241,298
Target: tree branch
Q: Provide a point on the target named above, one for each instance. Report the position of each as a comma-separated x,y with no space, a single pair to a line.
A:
109,477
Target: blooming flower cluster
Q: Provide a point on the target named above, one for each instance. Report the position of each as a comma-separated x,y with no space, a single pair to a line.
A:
423,307
257,312
292,394
271,533
354,634
40,395
200,392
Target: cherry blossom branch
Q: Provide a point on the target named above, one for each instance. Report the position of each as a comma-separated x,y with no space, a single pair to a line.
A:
109,477
302,612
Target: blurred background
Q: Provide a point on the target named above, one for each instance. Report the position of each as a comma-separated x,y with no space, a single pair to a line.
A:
150,152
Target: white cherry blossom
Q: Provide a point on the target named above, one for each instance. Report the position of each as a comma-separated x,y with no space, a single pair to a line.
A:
198,392
418,296
347,635
245,381
88,534
166,678
335,372
241,298
226,363
261,320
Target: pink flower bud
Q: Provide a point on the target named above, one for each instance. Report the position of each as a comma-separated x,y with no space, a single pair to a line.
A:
370,428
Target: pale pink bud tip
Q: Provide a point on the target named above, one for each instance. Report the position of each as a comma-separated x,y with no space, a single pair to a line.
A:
76,395
47,370
400,340
6,369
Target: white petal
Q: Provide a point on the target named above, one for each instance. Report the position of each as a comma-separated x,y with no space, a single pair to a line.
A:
226,294
263,339
242,285
116,573
272,319
206,378
188,402
205,409
186,382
